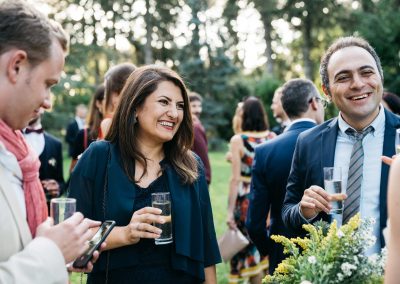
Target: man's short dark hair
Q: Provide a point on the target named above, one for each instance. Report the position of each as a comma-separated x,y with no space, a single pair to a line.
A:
23,27
195,97
341,43
296,95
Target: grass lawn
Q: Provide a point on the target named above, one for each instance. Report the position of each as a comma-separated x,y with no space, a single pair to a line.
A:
219,199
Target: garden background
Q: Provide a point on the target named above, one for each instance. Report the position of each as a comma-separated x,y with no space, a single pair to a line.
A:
224,49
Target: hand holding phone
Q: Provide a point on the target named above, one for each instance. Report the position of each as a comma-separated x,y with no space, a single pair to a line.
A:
94,244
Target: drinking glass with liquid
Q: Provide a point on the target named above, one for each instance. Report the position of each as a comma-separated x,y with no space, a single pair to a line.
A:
161,200
333,185
62,208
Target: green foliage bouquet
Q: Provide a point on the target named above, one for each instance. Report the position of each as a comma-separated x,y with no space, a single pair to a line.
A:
330,255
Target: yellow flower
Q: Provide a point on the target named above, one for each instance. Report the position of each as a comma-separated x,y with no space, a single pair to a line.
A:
352,225
354,222
284,268
289,246
332,234
303,243
314,234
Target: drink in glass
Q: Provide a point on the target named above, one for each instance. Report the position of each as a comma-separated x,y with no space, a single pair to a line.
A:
62,208
162,201
397,141
333,185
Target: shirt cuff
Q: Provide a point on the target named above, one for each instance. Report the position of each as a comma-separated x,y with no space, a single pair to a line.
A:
304,218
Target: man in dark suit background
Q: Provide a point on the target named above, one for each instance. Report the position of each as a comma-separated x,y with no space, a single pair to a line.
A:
352,78
303,105
74,126
279,113
49,150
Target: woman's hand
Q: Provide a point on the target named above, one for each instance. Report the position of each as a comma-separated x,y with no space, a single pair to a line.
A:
141,226
230,221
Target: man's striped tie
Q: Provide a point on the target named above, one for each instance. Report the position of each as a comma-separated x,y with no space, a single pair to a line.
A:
352,203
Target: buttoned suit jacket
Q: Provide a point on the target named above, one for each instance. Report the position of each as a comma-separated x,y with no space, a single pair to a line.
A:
315,149
51,161
271,167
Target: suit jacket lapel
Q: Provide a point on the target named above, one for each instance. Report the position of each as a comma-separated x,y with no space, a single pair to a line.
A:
12,201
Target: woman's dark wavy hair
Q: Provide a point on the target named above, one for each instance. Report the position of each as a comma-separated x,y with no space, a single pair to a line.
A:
140,84
95,115
254,118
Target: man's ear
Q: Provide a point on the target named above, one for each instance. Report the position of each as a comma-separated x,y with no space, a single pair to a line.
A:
16,62
325,90
314,104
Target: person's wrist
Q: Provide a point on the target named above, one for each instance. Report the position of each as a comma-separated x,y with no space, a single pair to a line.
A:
307,215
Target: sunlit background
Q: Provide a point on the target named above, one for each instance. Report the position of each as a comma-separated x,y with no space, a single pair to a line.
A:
224,49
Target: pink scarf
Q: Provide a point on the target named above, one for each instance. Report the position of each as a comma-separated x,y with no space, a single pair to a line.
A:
35,200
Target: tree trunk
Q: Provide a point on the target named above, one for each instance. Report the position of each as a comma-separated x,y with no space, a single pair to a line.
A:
308,66
269,66
148,50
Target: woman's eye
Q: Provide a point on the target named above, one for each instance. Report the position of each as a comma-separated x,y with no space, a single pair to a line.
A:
180,106
163,102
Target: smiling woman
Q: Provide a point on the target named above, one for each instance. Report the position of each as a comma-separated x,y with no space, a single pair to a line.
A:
146,151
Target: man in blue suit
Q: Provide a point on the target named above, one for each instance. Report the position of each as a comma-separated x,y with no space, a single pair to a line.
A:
352,78
303,105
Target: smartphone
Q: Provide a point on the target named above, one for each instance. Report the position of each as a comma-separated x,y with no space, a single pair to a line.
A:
94,244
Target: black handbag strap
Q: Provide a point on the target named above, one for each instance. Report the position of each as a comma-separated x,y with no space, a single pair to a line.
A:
105,190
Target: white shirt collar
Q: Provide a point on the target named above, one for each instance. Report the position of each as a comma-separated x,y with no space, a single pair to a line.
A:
299,120
378,124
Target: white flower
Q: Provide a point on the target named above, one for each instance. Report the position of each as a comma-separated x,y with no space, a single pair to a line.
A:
312,259
305,282
340,277
340,234
347,268
373,258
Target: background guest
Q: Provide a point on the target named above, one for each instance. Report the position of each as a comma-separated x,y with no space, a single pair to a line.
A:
49,150
200,144
114,81
248,262
75,125
391,102
278,112
90,133
271,166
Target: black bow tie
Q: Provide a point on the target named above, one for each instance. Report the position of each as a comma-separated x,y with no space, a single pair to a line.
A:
31,130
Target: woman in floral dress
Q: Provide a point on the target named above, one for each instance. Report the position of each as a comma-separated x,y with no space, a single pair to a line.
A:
248,263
